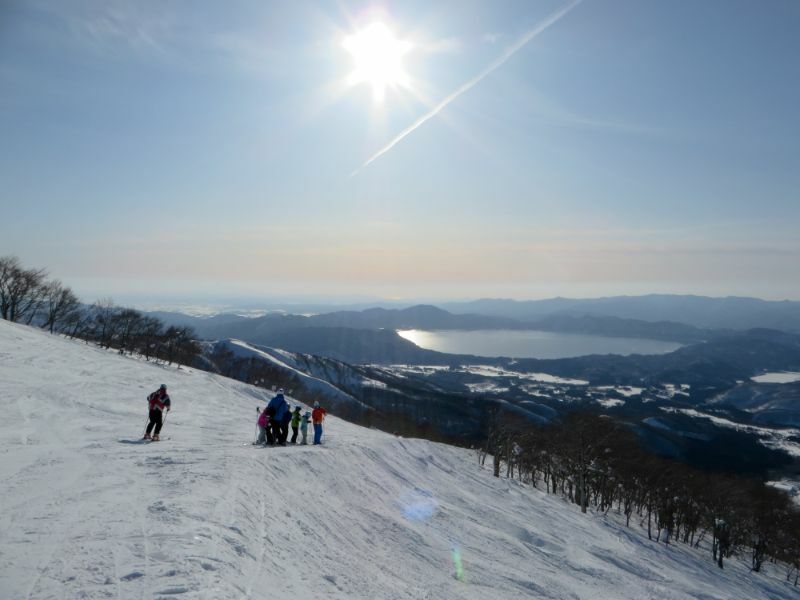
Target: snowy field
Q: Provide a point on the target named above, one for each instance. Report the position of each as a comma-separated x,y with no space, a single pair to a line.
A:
779,377
88,512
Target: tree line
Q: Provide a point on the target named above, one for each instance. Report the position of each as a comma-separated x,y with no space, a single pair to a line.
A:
27,296
593,460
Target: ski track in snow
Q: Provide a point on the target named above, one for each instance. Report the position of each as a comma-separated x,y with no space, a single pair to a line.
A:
87,512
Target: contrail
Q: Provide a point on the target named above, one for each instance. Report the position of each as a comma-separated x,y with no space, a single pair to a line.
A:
509,52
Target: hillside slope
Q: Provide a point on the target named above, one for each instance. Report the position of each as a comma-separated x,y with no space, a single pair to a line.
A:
87,512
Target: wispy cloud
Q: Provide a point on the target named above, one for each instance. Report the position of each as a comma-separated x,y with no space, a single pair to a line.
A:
440,46
492,37
112,25
509,52
246,51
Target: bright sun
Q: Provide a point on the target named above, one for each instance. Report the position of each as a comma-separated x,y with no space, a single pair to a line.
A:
378,57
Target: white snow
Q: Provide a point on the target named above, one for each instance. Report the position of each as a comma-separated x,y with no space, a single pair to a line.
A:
366,382
485,371
491,371
415,369
790,487
777,377
87,512
533,390
657,423
672,390
486,387
610,402
624,390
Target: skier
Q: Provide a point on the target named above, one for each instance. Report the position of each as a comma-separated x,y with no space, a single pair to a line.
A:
263,423
295,423
304,425
277,408
317,417
157,402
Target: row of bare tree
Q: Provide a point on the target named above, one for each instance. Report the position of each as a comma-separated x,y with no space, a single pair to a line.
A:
595,461
27,296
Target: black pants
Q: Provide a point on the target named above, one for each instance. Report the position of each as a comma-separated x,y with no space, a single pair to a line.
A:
270,436
276,431
294,434
155,419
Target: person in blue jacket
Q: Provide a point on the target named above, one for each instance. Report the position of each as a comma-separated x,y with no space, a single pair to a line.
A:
277,408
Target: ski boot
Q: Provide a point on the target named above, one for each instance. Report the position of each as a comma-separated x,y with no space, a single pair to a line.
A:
146,436
155,437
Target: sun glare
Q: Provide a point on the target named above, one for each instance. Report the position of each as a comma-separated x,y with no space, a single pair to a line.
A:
378,57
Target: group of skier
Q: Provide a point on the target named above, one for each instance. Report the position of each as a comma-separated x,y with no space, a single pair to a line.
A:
273,421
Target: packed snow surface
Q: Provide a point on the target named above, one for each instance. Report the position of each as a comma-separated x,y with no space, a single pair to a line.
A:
86,511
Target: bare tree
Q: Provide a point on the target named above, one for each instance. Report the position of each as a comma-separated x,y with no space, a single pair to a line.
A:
103,322
59,303
179,345
9,266
78,324
21,290
127,326
149,337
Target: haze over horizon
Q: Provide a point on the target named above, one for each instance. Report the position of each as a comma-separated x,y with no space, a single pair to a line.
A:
402,150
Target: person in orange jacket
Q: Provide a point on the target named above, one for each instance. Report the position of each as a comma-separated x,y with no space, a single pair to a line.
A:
317,417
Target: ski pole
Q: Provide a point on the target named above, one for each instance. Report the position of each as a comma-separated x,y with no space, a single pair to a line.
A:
164,421
255,439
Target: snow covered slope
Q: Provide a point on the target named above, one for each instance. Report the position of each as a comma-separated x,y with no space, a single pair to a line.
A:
87,512
289,362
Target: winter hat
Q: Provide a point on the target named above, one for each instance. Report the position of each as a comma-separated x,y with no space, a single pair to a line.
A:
163,386
316,404
280,390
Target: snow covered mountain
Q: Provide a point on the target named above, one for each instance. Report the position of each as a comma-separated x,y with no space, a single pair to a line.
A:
86,511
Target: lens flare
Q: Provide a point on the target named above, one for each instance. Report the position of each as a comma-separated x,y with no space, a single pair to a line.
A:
418,505
457,563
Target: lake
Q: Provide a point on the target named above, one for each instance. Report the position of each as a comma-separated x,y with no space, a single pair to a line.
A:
531,344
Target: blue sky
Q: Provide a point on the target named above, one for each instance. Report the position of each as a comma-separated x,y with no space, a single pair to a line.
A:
199,147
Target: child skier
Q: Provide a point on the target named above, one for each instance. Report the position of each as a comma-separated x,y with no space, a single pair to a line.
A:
295,423
263,423
157,401
304,425
317,417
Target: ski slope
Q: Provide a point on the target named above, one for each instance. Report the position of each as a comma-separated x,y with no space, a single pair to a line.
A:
88,512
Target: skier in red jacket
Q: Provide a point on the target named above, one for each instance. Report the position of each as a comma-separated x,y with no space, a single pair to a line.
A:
157,402
317,417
